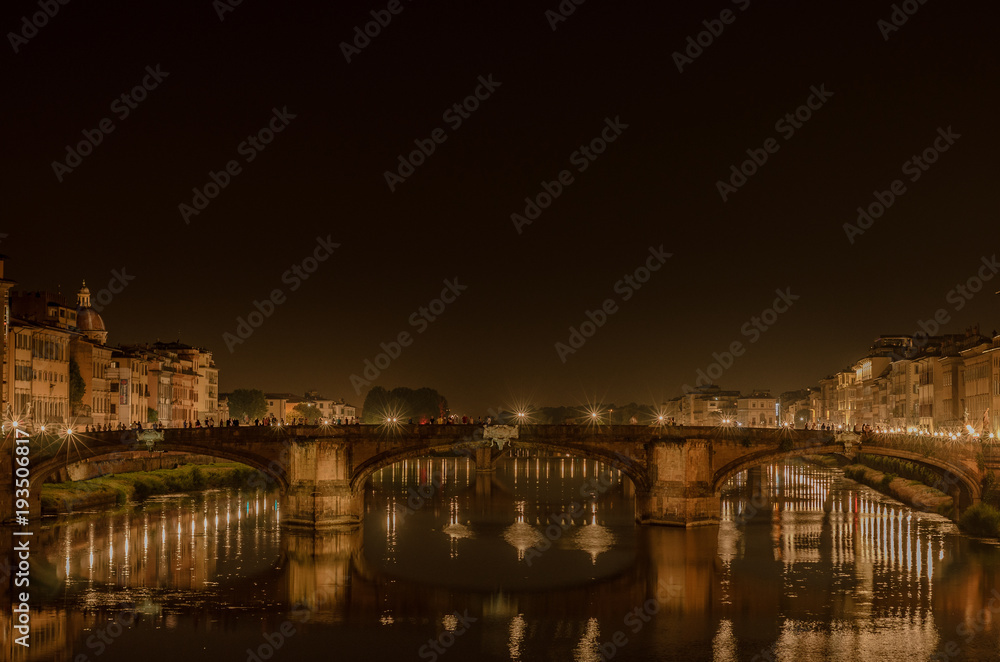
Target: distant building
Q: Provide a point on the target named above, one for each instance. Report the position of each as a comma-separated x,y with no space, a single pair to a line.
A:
205,385
707,406
757,410
279,404
282,406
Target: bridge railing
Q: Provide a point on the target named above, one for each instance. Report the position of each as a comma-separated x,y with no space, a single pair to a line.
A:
930,446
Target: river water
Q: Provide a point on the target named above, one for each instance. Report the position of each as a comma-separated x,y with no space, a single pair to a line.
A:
452,566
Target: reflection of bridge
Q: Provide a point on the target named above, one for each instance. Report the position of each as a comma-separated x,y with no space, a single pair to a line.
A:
677,471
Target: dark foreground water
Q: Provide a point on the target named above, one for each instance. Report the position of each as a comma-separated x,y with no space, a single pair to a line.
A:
451,566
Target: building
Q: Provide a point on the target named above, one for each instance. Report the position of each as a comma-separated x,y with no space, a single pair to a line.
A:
279,404
46,342
206,382
903,401
707,406
978,355
847,397
5,286
993,415
53,342
282,407
38,373
757,410
925,365
824,401
128,378
93,357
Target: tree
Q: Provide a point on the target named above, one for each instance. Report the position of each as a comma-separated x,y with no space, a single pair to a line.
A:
310,412
249,402
404,403
151,415
76,385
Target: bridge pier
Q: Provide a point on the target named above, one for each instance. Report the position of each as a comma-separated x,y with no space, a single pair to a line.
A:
681,492
484,459
757,481
319,493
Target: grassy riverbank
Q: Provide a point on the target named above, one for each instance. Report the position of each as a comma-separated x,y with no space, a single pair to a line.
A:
909,491
121,488
899,479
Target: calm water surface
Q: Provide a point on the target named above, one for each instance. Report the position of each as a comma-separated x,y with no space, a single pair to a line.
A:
453,566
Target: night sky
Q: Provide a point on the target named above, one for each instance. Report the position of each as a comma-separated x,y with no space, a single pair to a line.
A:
885,93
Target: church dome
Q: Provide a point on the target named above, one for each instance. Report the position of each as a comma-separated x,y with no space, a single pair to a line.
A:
87,319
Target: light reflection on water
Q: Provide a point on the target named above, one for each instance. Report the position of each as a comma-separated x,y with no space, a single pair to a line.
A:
825,570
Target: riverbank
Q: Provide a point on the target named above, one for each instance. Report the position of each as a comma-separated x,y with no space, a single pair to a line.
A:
72,496
911,492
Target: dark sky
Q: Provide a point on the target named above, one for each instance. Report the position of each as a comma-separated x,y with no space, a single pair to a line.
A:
323,175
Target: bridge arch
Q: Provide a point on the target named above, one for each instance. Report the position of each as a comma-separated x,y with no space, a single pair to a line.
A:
480,453
388,458
45,469
634,469
952,475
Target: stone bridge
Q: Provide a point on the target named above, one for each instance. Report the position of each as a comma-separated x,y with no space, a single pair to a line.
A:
678,472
